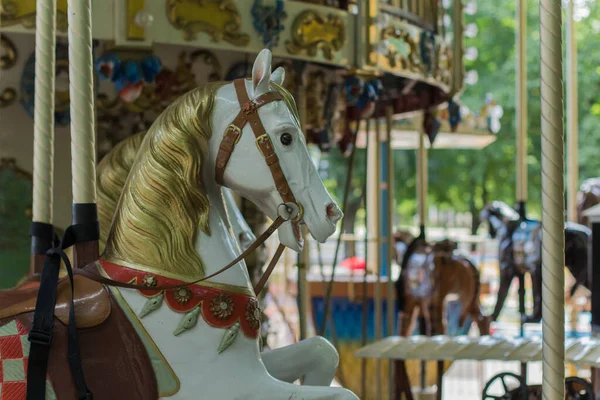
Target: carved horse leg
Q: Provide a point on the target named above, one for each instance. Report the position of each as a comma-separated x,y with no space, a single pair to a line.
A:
314,360
425,304
408,316
536,288
506,276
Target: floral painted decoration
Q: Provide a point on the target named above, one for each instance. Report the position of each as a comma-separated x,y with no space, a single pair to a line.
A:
128,76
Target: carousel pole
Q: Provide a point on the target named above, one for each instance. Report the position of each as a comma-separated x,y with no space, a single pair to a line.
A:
304,255
83,134
521,143
553,245
43,132
422,184
391,309
376,179
572,116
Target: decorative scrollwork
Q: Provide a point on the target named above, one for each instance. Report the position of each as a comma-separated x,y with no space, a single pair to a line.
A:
219,18
311,32
8,58
404,52
15,12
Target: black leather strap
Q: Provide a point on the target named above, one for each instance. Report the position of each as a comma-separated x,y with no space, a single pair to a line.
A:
40,335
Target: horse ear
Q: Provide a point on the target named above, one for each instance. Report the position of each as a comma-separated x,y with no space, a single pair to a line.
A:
261,72
278,76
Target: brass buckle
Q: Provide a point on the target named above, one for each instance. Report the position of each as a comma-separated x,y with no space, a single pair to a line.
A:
261,139
300,212
236,129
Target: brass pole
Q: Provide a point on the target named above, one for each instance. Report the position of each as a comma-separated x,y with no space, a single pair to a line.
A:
572,117
553,244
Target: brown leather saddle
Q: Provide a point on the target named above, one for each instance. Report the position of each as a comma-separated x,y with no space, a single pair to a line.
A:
114,358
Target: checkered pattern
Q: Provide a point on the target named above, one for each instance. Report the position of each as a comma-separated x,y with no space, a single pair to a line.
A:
14,352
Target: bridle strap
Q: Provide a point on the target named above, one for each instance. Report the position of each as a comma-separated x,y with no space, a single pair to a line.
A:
248,114
94,274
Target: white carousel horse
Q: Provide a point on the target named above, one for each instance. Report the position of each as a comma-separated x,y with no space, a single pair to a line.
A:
171,225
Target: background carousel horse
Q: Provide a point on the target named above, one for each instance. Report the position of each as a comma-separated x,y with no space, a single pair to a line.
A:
587,197
170,227
430,274
520,243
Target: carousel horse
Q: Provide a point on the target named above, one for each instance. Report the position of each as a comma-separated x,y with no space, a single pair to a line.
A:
317,358
169,233
587,197
430,274
520,252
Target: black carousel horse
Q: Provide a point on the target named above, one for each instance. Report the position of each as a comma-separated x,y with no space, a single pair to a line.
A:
520,252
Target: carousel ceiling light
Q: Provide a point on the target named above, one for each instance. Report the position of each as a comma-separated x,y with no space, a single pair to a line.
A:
382,20
471,53
471,30
447,3
144,19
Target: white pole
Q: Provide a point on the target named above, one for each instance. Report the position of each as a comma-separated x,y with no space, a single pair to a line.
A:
553,245
43,121
572,117
83,136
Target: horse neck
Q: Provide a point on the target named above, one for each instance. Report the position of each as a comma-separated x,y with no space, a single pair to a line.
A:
219,248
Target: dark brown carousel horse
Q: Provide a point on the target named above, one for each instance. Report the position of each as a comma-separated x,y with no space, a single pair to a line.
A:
430,273
520,242
587,197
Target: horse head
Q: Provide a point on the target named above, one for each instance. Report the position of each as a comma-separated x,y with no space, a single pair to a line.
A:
498,214
246,172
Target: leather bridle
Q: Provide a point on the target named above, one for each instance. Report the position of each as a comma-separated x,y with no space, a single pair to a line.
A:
248,114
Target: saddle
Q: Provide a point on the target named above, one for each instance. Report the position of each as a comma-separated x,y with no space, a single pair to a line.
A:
114,358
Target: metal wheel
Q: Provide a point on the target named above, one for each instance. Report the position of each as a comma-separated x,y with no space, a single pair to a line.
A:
505,386
578,389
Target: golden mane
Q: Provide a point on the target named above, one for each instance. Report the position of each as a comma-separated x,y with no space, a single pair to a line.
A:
111,175
162,202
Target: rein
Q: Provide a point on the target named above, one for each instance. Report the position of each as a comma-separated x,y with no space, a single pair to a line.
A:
94,274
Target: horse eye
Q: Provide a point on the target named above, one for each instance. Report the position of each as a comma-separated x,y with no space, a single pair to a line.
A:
286,139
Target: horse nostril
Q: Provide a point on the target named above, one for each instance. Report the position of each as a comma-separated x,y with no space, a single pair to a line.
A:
333,212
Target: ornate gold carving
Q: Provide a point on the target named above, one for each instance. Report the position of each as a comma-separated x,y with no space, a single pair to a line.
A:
316,95
444,59
221,306
311,32
8,58
404,52
219,18
15,12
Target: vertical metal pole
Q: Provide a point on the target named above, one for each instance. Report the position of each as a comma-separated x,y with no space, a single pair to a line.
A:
390,303
553,237
365,293
378,255
43,127
83,133
572,116
304,256
521,107
521,141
